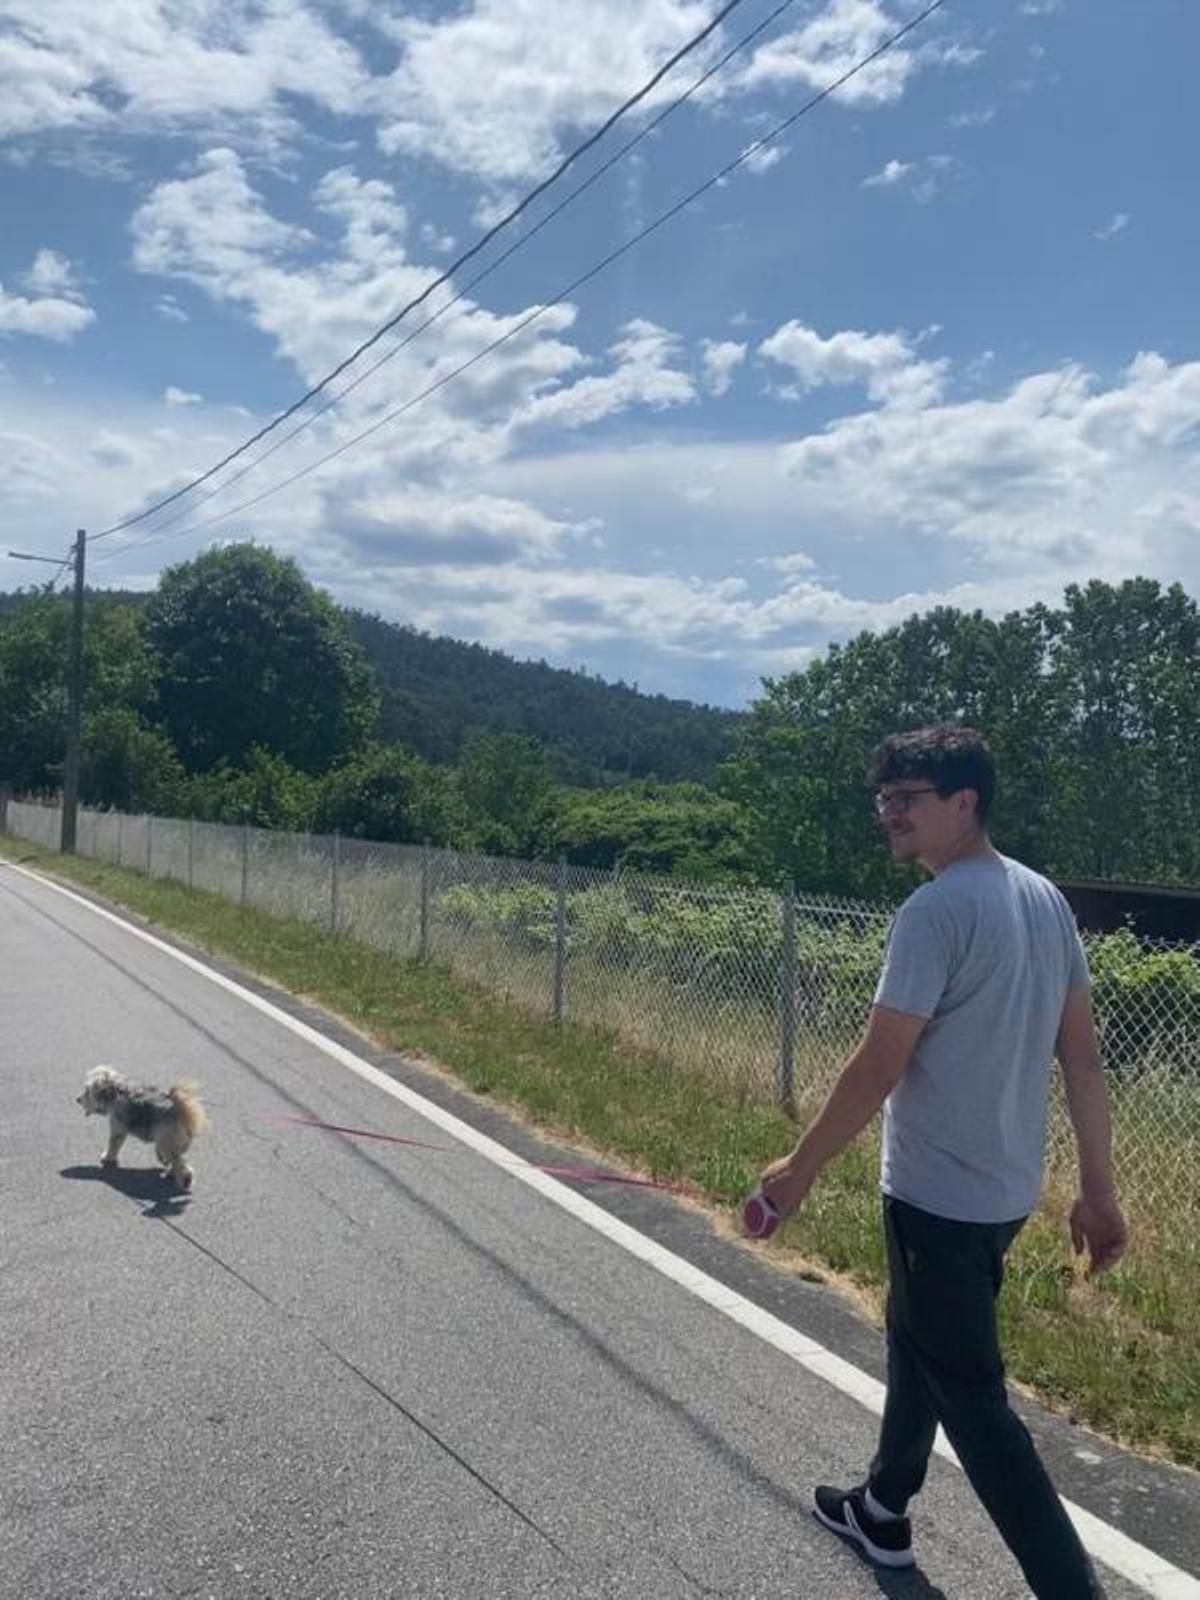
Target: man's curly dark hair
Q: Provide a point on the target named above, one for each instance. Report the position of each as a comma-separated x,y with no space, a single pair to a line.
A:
948,756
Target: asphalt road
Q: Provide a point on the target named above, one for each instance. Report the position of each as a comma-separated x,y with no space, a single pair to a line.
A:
348,1369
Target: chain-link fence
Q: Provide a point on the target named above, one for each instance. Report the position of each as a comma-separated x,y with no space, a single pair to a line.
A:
763,993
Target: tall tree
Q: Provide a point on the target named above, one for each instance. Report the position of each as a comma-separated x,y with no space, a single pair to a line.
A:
118,673
250,653
504,780
1128,660
1093,713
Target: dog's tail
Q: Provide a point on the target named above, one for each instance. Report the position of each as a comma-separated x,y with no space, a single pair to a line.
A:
191,1112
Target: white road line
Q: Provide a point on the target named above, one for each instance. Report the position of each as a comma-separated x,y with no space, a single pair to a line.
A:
1151,1573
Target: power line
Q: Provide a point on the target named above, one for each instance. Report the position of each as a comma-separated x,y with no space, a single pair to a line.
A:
472,283
484,239
614,255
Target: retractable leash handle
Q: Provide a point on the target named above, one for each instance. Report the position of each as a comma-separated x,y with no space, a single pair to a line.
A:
759,1216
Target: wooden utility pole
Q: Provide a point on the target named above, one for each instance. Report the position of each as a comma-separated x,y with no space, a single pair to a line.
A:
70,796
70,790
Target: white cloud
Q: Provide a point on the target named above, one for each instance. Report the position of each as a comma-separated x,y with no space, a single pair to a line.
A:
884,364
891,173
720,359
315,301
47,317
375,223
148,66
441,242
169,308
922,179
494,88
1116,224
1050,473
180,397
797,561
762,158
52,274
424,527
827,45
498,88
643,374
211,228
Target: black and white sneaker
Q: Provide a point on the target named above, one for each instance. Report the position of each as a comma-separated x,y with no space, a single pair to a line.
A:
888,1542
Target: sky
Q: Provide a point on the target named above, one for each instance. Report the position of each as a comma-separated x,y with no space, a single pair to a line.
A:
935,343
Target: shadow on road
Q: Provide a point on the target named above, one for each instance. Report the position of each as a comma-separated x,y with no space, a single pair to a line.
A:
139,1183
911,1584
906,1583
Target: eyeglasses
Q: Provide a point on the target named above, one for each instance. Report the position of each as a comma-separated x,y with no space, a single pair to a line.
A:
899,800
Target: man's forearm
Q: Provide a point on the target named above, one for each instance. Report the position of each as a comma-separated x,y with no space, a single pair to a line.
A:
1087,1101
864,1085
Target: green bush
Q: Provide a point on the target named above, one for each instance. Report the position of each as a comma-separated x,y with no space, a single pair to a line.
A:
728,945
1147,1003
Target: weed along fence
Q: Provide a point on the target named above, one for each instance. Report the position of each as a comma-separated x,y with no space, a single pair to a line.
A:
762,993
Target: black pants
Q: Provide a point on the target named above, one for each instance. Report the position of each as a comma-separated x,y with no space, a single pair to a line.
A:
944,1365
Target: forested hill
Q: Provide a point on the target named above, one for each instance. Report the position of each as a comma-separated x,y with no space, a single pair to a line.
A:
437,691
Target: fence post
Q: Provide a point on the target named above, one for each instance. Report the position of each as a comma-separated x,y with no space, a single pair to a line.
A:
120,838
423,946
5,797
335,864
149,845
560,942
787,994
245,860
191,852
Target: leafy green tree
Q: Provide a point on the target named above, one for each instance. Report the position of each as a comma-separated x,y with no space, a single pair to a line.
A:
266,792
682,829
506,788
118,672
251,654
1128,661
1092,711
127,766
388,793
799,771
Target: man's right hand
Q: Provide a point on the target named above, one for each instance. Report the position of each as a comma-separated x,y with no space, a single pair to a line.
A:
1097,1225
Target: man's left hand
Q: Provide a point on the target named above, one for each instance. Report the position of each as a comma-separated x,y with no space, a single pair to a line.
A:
785,1185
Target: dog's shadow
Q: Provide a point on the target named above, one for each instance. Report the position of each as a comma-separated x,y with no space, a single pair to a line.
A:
139,1183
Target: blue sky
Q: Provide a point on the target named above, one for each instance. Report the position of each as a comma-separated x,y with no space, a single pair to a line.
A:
938,343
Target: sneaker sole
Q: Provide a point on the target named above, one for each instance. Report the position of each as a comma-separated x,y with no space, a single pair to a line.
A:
881,1557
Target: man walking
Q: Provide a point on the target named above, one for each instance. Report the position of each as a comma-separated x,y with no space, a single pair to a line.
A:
984,981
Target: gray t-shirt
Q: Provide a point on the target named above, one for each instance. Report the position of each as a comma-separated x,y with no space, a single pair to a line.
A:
987,951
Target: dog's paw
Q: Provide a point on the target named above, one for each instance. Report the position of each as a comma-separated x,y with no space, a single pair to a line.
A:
109,1161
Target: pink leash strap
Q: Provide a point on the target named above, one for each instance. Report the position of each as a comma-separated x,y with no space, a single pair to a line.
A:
555,1170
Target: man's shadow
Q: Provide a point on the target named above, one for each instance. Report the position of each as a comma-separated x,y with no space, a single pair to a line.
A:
139,1183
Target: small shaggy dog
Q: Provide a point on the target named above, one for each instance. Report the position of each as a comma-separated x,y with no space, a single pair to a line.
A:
169,1119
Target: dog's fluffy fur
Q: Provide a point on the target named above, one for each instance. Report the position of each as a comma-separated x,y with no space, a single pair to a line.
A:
169,1119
